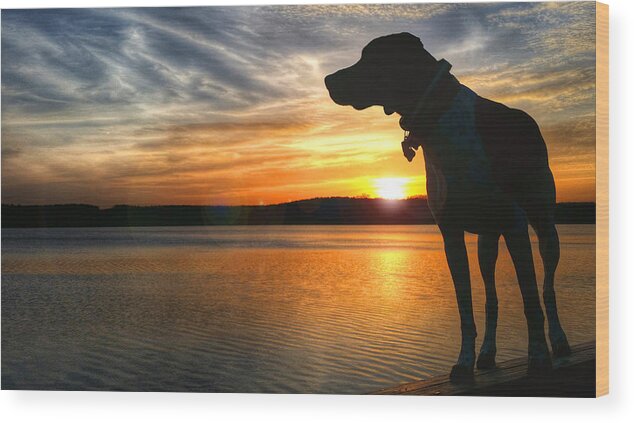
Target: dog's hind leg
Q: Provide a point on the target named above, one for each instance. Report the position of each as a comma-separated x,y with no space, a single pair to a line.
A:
519,245
456,253
549,251
487,257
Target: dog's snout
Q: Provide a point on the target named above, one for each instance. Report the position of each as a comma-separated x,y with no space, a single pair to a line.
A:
334,86
334,81
329,81
347,88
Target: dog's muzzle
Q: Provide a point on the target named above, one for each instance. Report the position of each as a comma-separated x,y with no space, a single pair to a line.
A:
348,87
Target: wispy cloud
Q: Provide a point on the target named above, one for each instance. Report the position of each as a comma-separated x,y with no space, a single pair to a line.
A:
224,104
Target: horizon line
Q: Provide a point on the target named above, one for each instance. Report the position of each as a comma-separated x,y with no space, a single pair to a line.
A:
391,200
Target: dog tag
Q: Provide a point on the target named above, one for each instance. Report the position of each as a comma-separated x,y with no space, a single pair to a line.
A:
408,151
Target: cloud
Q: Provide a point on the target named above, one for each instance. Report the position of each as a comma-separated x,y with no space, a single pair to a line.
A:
156,105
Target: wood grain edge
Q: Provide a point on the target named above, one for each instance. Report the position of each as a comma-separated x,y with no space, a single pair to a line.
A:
602,190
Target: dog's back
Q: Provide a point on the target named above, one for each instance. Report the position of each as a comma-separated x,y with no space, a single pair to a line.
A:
517,155
486,165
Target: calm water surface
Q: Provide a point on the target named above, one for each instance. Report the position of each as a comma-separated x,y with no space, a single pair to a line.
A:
313,309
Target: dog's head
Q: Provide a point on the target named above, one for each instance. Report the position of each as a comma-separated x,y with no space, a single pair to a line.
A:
393,72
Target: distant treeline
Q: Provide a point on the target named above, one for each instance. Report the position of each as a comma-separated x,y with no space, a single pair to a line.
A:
319,211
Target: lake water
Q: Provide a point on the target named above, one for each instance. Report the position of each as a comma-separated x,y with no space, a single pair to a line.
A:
310,309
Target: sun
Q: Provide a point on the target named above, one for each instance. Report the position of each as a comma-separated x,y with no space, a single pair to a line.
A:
391,188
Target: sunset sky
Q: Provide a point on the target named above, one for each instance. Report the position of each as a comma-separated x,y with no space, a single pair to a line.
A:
226,105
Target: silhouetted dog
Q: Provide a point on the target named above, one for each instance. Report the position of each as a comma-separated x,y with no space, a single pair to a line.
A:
487,173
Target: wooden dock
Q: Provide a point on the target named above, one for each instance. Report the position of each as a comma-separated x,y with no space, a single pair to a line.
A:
572,376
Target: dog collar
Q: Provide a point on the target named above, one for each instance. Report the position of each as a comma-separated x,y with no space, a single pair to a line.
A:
442,71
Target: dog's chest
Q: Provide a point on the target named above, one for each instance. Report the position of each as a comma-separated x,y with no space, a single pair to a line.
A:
460,185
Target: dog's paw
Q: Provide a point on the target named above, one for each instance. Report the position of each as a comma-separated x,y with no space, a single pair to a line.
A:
540,365
486,360
561,348
461,374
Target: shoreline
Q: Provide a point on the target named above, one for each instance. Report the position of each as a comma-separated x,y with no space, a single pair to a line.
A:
320,211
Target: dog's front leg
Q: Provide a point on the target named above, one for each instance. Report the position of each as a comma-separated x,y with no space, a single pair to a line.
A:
456,253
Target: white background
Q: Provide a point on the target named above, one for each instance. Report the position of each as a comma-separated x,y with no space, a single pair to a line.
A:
65,407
